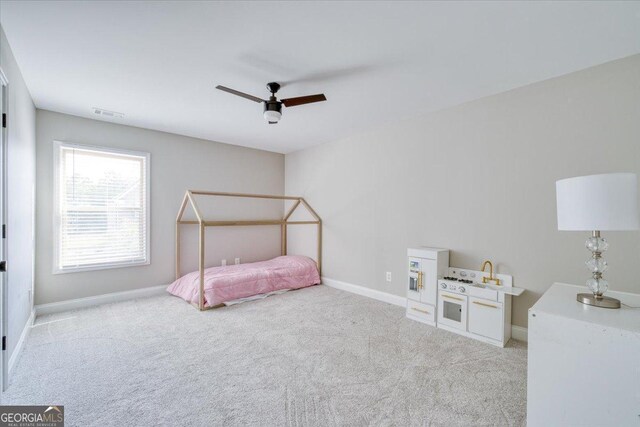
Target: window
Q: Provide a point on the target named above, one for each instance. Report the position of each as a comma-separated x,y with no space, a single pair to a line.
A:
101,208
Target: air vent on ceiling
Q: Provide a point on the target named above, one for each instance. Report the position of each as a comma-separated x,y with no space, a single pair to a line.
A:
107,113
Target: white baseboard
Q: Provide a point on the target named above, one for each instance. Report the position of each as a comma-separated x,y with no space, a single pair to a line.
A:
517,332
361,290
23,336
58,307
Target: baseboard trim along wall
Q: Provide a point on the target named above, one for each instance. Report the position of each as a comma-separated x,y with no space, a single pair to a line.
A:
23,336
517,332
361,290
58,307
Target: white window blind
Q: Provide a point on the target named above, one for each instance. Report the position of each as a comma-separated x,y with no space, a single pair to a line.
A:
102,208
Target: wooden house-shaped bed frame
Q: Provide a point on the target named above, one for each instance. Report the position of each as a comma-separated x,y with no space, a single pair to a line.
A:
283,222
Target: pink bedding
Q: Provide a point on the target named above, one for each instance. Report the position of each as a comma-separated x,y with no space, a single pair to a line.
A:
231,282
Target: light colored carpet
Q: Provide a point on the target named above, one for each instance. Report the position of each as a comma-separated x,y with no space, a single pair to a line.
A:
315,357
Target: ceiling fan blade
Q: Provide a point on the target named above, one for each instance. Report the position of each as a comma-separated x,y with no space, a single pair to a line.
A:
292,102
238,93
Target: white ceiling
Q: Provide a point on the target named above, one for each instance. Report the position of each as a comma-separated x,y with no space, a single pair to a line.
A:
158,62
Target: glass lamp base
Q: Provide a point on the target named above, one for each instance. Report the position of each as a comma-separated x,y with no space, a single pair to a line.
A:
604,302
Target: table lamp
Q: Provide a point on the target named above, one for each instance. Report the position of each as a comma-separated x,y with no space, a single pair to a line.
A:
598,203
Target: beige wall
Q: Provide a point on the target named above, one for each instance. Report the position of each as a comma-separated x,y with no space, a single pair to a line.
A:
21,162
177,163
478,179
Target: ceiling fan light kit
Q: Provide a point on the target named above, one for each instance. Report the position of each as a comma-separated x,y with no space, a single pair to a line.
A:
272,107
272,116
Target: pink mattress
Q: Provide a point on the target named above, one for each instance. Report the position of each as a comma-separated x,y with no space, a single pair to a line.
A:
231,282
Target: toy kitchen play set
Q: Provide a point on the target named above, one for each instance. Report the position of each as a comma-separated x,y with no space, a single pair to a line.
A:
476,304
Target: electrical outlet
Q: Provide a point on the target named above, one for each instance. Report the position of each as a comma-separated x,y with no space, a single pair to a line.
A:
237,261
388,276
224,262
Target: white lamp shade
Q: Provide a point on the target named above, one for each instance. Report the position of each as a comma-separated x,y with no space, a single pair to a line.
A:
598,202
272,116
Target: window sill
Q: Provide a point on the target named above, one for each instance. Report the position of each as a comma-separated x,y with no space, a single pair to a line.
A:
100,267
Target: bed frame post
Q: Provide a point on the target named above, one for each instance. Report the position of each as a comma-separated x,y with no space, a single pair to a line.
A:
201,268
283,239
177,250
183,206
320,248
201,239
319,234
284,225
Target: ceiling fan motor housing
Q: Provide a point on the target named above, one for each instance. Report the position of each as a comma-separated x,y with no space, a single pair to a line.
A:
273,87
272,110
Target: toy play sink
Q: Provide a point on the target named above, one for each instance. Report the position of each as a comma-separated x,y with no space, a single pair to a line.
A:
495,289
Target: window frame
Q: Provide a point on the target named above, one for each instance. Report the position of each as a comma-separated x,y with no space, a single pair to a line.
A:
57,223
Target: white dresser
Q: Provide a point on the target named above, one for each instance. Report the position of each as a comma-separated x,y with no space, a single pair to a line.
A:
584,361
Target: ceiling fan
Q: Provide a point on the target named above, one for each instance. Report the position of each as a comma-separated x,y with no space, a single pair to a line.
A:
273,107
